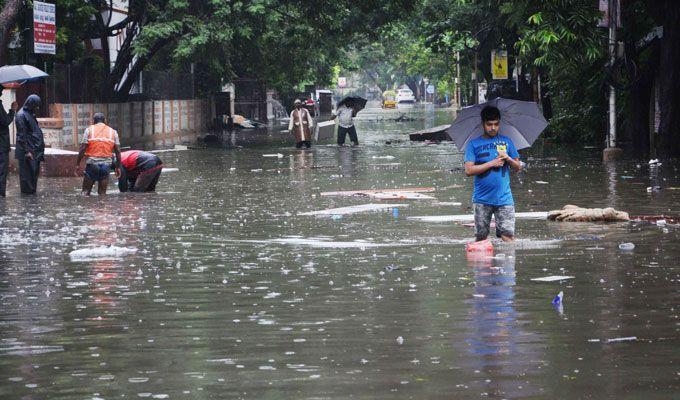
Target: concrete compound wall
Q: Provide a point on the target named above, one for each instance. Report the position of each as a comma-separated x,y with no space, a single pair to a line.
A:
142,125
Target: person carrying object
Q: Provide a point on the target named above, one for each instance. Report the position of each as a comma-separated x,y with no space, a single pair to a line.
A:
489,158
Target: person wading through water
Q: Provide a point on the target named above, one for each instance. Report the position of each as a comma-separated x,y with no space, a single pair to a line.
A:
30,148
100,143
301,124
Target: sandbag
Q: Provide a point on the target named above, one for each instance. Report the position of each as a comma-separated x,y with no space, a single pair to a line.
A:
572,213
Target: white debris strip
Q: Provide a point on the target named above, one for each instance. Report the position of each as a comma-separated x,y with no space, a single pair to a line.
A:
552,278
354,209
471,217
101,253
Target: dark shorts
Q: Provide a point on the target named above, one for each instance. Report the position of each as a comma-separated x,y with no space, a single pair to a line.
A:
98,171
504,216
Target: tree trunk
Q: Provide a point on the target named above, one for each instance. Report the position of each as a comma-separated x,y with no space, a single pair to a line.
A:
8,18
669,81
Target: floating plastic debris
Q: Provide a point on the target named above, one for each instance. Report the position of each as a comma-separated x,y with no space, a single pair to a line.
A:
277,155
400,340
622,339
471,217
552,278
558,299
99,253
626,246
354,209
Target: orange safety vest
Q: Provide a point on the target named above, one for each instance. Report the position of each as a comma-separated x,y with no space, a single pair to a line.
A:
100,141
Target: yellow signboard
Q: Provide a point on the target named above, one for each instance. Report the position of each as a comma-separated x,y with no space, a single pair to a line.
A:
499,64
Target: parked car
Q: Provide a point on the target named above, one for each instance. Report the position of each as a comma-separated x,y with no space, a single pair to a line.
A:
405,96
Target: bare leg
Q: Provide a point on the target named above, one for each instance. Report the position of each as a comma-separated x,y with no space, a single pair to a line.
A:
102,185
87,185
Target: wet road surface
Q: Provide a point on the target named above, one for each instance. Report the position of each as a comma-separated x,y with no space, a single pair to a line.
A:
217,288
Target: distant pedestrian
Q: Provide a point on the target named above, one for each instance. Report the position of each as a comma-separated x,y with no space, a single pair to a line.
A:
345,115
30,146
6,119
489,158
139,171
301,124
100,143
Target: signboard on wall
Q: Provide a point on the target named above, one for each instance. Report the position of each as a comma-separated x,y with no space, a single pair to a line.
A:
44,28
342,82
499,64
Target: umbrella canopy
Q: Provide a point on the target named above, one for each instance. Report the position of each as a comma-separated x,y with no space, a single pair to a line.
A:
19,73
357,103
521,121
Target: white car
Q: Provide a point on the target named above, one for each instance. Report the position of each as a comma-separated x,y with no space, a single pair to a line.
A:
405,96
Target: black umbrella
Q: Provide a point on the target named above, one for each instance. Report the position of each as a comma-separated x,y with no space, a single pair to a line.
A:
356,103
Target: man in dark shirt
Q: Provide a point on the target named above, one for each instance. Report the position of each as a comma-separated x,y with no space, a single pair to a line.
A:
30,149
6,119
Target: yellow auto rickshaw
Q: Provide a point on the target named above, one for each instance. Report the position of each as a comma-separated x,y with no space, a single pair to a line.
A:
389,99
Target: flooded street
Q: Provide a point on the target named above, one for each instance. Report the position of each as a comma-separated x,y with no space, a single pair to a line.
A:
218,288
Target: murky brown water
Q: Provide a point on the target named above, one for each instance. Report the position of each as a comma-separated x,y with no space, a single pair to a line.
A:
231,294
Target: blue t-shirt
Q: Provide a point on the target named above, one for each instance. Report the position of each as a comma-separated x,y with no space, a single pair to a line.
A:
493,186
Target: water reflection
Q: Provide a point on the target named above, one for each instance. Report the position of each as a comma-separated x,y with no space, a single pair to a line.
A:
497,339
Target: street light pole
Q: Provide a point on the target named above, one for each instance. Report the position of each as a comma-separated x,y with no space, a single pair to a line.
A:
612,60
611,152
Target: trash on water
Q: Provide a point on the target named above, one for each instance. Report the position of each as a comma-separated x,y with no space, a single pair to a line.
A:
626,246
541,182
655,162
651,189
354,209
368,192
166,170
400,340
395,212
558,299
101,252
277,155
400,196
383,157
390,268
336,217
622,339
661,222
480,246
552,278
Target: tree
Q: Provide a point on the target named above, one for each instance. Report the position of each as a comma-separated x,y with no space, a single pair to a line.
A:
8,17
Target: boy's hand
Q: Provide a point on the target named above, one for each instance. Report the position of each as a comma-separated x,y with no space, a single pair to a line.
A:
496,162
503,155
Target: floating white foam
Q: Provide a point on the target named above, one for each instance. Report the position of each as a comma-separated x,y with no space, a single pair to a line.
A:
101,252
400,196
354,209
471,217
327,243
552,278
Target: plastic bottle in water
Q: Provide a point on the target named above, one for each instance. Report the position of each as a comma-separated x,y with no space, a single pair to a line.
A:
395,212
626,246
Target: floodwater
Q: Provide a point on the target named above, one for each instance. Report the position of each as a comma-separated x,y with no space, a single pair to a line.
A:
217,288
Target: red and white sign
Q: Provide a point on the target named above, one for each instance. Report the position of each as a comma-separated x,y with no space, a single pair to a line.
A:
44,28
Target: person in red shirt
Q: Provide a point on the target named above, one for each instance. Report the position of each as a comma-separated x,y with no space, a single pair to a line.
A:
139,171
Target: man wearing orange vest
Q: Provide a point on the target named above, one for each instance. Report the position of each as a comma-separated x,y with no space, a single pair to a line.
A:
100,143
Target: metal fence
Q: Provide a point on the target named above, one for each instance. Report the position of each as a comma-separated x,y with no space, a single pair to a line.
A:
251,98
72,83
